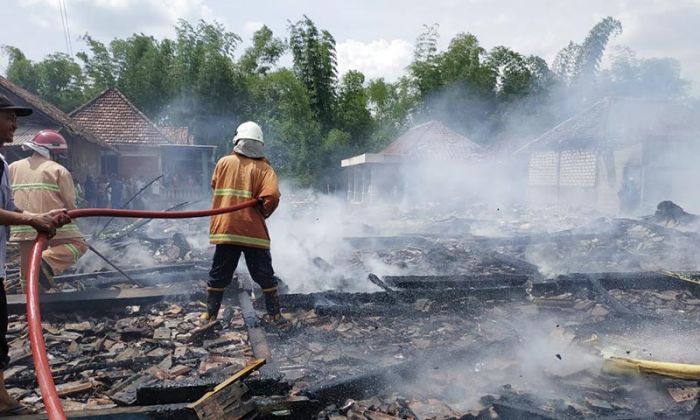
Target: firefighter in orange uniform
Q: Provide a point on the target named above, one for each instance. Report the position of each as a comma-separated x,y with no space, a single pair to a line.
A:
39,185
238,177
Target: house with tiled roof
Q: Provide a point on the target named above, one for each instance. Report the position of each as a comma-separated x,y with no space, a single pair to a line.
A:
619,155
85,149
115,120
144,150
372,174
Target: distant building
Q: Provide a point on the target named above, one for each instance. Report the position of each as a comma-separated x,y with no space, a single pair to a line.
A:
143,149
620,155
371,175
85,149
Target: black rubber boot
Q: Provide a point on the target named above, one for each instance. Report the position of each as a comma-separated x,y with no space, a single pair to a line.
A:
272,307
272,302
46,276
214,298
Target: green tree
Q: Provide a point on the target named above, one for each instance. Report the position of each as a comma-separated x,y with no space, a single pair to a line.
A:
21,70
635,77
315,64
390,104
143,67
282,105
98,66
425,68
264,53
466,62
210,91
60,81
58,78
580,63
353,115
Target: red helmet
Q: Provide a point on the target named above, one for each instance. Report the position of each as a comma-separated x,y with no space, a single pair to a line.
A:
51,140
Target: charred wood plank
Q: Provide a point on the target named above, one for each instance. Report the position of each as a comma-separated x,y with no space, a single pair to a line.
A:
463,281
524,240
160,269
374,279
229,399
648,280
601,294
383,242
383,303
149,279
169,391
154,412
98,300
256,335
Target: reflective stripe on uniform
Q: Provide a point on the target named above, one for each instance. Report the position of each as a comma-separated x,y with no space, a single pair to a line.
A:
240,239
75,251
231,192
36,186
29,229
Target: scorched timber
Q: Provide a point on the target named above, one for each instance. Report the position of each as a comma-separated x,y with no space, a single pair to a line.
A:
99,300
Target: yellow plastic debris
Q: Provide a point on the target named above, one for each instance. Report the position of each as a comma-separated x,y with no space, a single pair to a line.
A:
622,365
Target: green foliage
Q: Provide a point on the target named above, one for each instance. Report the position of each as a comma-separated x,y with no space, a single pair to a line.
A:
653,77
20,70
425,69
315,64
282,105
263,54
57,79
390,105
466,61
580,63
311,117
353,114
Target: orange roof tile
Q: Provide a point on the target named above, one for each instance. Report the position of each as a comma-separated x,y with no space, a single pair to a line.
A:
114,119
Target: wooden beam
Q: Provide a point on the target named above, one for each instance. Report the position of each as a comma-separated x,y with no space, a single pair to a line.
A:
228,399
178,411
97,300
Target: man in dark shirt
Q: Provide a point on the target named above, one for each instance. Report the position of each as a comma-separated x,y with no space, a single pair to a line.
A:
11,215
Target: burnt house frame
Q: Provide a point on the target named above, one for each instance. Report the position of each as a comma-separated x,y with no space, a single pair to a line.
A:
615,146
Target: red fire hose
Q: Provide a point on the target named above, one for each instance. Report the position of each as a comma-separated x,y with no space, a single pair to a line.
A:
36,337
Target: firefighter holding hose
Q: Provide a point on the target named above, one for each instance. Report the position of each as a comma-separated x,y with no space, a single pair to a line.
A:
40,184
240,176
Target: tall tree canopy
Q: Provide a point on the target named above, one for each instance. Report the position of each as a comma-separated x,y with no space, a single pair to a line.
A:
312,116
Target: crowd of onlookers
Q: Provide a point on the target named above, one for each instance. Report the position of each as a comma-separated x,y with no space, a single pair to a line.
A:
115,191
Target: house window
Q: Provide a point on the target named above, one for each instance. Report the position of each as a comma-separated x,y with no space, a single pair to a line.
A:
577,168
542,169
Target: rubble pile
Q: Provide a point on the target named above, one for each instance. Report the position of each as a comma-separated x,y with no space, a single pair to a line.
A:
621,245
100,362
455,325
433,257
477,359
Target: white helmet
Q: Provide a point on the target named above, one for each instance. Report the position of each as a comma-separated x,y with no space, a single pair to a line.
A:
249,130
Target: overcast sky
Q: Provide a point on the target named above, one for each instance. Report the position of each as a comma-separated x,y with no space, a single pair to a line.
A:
375,37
